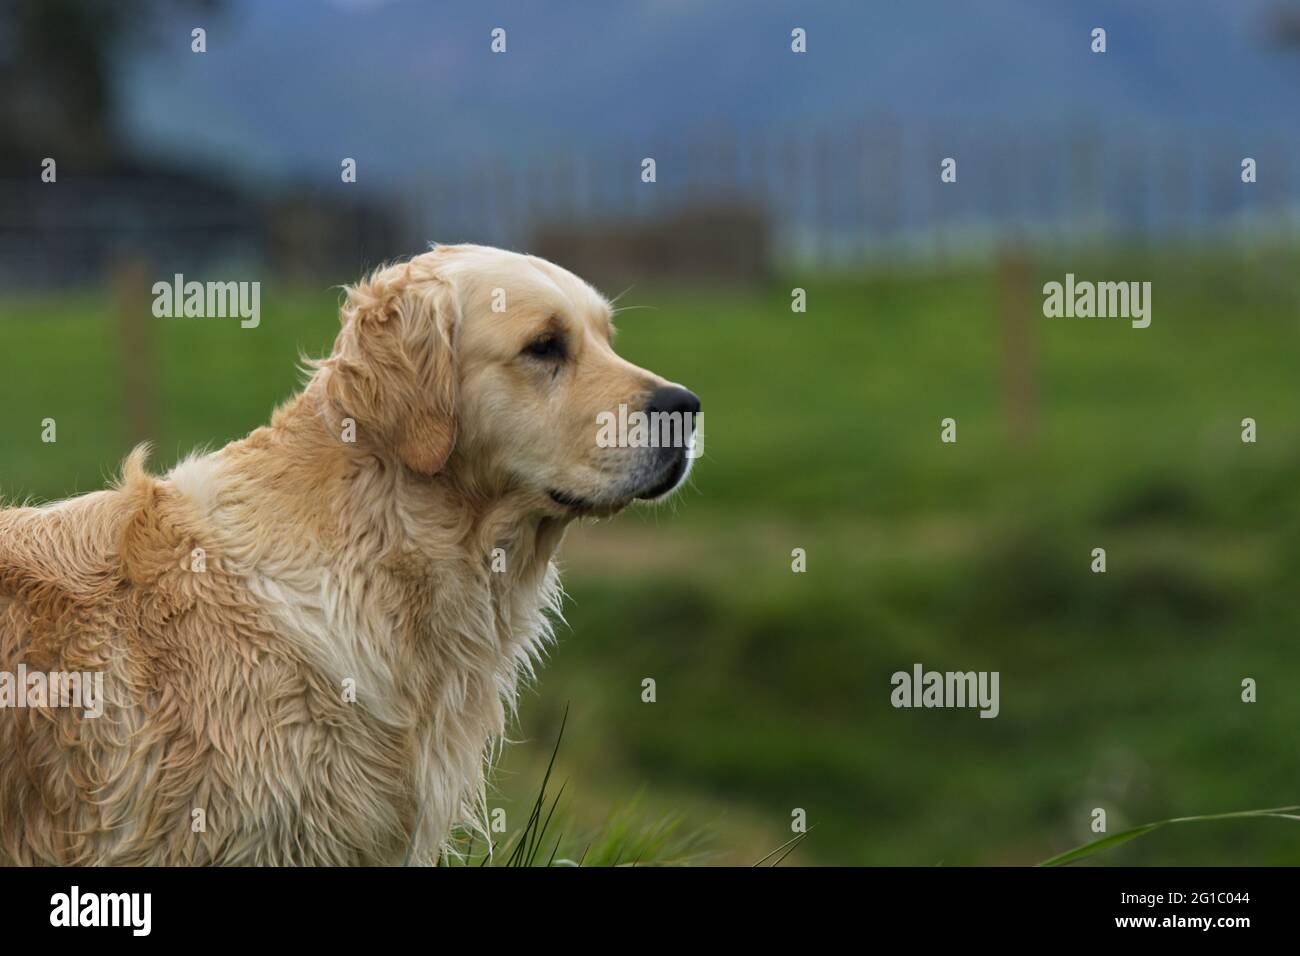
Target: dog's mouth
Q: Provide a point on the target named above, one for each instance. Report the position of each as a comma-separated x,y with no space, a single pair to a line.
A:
583,506
572,502
669,481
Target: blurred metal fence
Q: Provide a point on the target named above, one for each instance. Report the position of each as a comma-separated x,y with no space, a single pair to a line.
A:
837,196
724,202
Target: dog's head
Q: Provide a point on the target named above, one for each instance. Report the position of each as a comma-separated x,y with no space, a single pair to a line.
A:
500,368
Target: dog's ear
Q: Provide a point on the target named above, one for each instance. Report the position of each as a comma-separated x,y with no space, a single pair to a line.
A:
393,367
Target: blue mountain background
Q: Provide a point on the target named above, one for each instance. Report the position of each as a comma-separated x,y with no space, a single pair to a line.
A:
411,88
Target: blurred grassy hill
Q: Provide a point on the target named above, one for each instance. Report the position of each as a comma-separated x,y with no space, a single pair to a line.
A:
1118,690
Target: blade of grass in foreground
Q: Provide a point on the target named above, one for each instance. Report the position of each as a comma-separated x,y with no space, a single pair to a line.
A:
534,829
1115,839
622,841
792,843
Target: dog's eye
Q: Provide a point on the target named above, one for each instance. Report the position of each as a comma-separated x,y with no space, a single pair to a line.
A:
549,346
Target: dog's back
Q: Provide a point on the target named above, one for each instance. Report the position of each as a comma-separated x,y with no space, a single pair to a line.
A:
216,742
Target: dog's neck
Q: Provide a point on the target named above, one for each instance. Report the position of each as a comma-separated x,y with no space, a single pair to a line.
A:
311,460
440,596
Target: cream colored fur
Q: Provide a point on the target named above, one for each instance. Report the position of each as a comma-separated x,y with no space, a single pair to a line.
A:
327,564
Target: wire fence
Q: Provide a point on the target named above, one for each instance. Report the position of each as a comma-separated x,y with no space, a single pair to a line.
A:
832,196
841,195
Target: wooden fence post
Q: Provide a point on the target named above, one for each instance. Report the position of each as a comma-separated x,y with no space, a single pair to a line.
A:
130,279
1019,359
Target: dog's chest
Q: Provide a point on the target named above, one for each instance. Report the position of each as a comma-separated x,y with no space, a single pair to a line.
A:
396,691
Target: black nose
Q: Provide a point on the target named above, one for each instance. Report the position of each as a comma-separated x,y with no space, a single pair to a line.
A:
673,399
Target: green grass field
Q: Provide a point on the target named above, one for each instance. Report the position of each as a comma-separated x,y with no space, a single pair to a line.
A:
1118,690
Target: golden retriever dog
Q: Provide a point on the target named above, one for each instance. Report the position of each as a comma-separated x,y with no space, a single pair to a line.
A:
310,640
